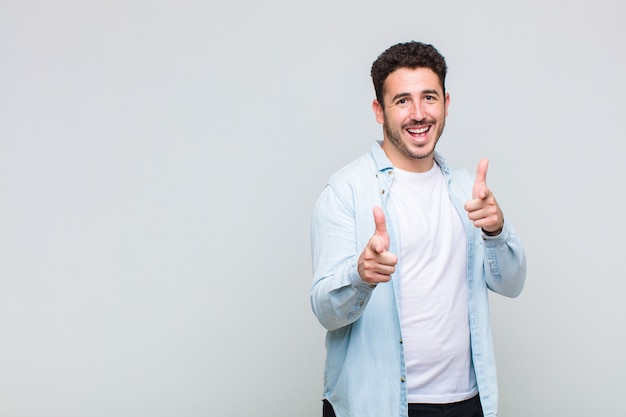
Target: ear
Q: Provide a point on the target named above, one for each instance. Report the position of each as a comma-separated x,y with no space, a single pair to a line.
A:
378,111
447,98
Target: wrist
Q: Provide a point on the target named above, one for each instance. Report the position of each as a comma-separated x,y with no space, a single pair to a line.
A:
495,232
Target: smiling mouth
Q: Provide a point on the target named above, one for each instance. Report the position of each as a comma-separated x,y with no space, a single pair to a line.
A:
418,130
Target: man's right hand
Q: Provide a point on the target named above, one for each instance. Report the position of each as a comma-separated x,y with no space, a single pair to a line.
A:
376,263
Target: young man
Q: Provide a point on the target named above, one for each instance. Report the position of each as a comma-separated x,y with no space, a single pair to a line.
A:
405,250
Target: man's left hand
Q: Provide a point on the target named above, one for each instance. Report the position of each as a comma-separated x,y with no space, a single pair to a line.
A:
483,209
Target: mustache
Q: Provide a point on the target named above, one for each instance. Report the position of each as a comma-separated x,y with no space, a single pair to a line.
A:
417,123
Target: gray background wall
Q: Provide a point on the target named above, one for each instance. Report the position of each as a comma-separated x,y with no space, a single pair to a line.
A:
159,161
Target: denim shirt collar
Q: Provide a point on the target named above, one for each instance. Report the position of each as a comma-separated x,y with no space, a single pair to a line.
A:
383,163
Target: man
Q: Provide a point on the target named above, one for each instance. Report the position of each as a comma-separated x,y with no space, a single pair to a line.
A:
405,249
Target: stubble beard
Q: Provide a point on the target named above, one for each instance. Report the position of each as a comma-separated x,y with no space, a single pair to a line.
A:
424,150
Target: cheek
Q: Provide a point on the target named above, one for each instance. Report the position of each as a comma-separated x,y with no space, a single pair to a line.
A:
396,116
438,114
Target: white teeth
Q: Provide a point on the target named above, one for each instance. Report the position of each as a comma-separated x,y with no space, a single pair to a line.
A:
418,131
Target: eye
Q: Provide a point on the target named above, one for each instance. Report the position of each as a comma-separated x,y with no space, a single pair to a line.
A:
401,102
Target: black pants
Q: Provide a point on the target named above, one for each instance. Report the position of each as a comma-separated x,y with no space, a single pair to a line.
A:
467,408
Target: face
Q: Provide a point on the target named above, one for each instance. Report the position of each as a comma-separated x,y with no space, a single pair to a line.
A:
413,117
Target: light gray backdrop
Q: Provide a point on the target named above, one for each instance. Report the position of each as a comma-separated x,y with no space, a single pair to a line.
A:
159,162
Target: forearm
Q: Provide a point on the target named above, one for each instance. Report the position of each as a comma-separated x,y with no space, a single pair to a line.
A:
505,262
339,299
338,294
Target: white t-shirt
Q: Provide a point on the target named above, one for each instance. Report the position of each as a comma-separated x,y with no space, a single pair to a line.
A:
433,289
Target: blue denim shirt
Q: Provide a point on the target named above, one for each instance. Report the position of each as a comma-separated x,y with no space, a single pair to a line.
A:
365,371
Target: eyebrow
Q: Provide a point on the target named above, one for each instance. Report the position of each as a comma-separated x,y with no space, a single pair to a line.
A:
403,95
431,92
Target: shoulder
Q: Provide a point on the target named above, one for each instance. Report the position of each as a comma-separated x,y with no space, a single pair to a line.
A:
352,186
363,169
358,172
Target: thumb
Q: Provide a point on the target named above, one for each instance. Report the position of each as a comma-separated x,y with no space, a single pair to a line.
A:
480,190
381,230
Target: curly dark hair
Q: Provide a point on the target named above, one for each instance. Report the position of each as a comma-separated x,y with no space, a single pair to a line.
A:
407,55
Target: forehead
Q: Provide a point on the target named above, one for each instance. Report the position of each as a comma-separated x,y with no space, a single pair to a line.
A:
411,80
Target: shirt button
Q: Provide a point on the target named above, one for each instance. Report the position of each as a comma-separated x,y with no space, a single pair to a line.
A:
402,379
400,340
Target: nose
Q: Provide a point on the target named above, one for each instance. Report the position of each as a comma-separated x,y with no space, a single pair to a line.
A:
417,110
